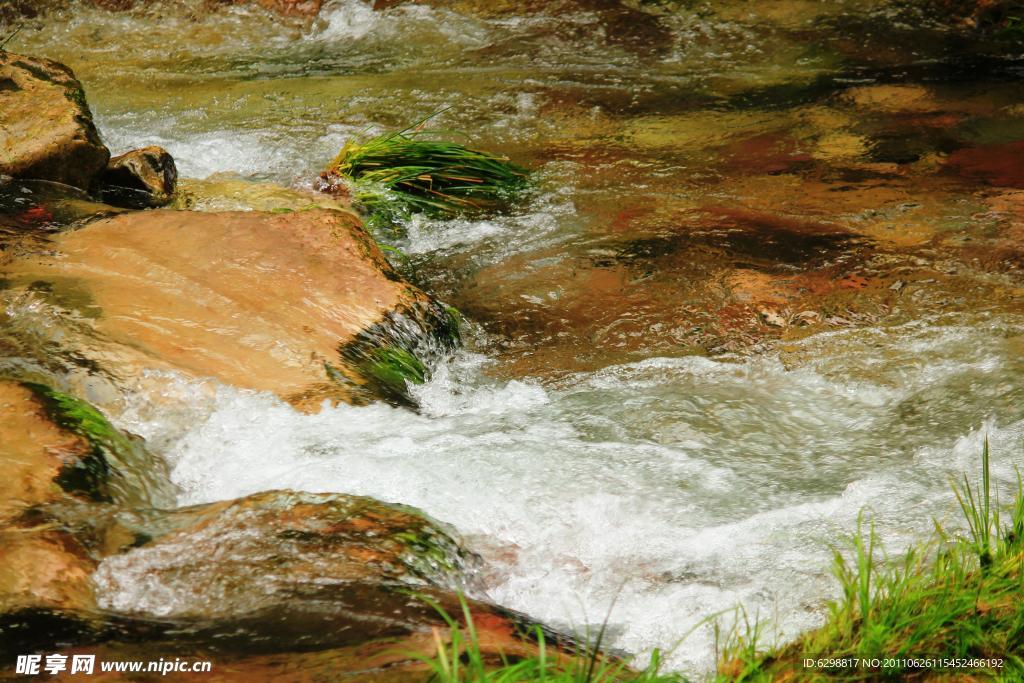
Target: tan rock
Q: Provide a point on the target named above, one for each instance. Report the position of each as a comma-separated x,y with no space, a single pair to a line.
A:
43,570
32,450
228,192
256,300
46,128
41,567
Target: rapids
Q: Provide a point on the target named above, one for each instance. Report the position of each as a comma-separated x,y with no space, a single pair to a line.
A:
605,443
656,493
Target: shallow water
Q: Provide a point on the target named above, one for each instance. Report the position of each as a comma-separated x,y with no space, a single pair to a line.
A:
631,433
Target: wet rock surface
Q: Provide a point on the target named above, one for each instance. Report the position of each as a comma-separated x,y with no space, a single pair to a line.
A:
46,128
140,179
279,550
295,303
276,584
47,459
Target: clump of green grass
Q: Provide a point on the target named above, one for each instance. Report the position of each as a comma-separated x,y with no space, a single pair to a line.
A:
416,171
954,597
461,660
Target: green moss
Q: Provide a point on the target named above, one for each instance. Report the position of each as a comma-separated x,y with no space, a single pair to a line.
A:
430,552
79,417
451,328
392,366
91,474
77,95
395,352
118,467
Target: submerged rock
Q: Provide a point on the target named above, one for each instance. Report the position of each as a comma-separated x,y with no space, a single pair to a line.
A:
292,303
230,192
46,128
139,179
312,586
281,549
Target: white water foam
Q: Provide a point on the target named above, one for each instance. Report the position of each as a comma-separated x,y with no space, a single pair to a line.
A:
661,492
353,20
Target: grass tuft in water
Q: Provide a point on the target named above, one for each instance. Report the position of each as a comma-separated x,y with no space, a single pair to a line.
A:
461,660
952,598
415,171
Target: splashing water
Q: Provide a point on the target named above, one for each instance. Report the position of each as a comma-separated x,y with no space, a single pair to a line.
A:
660,492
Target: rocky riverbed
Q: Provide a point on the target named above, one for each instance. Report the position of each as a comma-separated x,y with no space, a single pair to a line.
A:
767,275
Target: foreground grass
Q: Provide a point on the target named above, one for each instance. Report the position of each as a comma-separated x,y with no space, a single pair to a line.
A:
949,609
462,660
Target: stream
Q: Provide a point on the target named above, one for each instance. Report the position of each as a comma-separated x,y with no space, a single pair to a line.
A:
761,285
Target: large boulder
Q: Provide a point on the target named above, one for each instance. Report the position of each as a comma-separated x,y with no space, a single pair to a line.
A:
46,128
302,304
281,549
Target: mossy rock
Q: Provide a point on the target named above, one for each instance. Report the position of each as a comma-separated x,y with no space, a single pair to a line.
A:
399,351
117,467
298,549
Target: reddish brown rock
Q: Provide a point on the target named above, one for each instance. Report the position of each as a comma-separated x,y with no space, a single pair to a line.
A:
297,586
1001,165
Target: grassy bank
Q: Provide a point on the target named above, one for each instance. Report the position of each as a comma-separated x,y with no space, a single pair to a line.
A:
949,609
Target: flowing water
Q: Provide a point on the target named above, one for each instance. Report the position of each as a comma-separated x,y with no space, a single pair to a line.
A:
764,282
